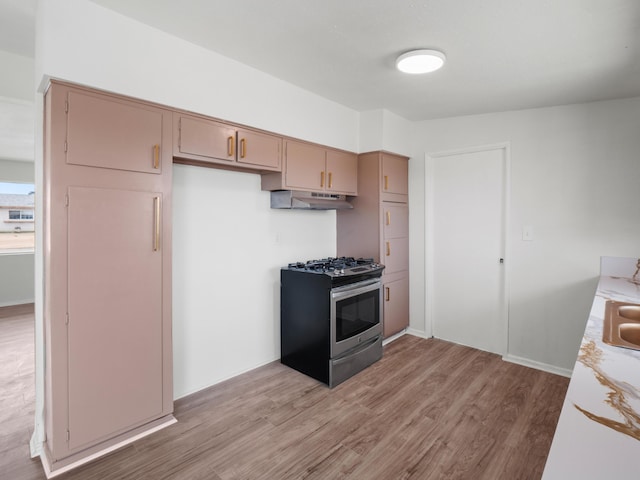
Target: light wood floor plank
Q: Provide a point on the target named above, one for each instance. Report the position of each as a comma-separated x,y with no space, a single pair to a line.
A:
428,410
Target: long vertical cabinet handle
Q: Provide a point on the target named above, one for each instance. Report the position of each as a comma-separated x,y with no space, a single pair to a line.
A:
388,249
322,179
230,146
156,224
388,217
330,180
243,148
156,156
387,293
386,182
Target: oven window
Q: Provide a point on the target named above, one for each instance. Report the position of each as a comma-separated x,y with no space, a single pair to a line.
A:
356,314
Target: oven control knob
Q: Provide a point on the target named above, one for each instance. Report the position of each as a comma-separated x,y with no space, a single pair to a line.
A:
342,271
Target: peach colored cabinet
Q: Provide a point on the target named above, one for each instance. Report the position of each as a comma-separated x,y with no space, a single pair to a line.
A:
130,135
315,168
209,141
305,166
396,304
378,227
395,220
396,254
342,172
395,174
107,271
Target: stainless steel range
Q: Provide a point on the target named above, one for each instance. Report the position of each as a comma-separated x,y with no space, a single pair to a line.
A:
330,317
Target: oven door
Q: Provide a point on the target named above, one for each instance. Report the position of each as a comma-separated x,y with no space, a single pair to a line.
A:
355,315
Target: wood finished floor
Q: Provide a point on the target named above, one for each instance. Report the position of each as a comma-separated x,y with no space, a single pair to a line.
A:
428,410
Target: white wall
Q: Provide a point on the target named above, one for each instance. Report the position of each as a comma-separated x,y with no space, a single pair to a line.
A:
17,80
224,321
574,178
228,247
88,44
384,130
19,172
17,280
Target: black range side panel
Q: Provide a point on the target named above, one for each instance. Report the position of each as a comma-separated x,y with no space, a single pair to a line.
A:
305,323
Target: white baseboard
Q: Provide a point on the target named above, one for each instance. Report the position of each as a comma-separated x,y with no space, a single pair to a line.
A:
526,362
418,333
545,367
47,463
386,341
35,445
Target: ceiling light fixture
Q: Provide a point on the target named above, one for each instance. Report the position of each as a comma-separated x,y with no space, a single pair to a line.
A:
420,61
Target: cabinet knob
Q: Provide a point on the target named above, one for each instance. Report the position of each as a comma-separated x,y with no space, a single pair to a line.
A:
388,217
330,180
243,148
322,179
388,249
388,293
386,182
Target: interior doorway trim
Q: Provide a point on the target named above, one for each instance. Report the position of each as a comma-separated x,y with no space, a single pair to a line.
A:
429,232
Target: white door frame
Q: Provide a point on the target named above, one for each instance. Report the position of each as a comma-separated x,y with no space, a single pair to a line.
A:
429,233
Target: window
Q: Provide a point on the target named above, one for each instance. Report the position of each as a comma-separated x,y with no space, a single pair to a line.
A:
20,214
17,226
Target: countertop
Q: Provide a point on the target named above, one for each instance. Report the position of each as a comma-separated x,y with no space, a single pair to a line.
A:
598,433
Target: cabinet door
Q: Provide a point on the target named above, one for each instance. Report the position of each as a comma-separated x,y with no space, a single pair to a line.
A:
395,219
259,149
206,140
395,174
115,349
113,133
396,306
304,166
395,255
342,172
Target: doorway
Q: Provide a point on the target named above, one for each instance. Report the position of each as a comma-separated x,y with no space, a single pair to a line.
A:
466,228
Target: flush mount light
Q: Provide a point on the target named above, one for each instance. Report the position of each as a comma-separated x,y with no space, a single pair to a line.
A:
420,61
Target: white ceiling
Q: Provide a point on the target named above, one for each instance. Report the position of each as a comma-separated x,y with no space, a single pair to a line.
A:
502,54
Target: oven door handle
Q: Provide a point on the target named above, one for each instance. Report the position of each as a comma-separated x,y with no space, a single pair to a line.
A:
356,288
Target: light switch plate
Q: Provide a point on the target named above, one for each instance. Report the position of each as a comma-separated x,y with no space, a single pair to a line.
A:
527,233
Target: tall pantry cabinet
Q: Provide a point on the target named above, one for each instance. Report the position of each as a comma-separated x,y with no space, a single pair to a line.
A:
107,197
378,227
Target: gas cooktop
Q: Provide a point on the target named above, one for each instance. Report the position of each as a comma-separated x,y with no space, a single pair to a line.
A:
337,267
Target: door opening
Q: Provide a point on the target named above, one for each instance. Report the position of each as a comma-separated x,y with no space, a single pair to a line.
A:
467,198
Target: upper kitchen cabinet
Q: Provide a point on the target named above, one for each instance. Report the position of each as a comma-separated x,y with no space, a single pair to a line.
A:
107,275
395,178
342,172
304,166
315,168
113,133
205,141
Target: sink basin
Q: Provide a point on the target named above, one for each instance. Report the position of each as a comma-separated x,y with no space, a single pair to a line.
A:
621,324
630,332
631,312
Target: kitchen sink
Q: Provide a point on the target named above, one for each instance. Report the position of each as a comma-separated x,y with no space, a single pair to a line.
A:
622,324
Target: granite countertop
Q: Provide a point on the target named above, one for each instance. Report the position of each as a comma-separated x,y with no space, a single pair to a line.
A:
598,433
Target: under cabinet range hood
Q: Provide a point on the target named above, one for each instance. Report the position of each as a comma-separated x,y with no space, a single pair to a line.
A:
294,199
